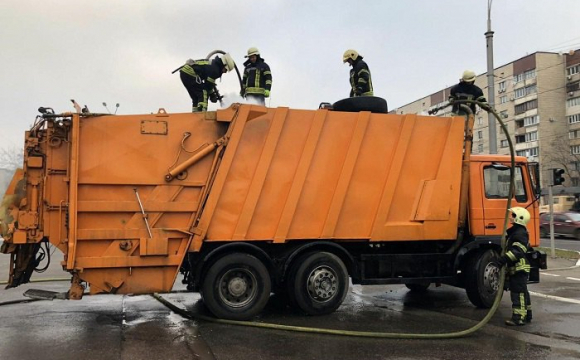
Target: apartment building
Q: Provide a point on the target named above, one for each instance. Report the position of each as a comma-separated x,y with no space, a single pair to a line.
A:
538,98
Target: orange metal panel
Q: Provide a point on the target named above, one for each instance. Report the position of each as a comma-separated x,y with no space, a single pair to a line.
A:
323,175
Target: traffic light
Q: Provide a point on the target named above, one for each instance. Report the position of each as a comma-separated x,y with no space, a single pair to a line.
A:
558,176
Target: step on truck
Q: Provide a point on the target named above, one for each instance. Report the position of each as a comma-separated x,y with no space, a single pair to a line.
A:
248,201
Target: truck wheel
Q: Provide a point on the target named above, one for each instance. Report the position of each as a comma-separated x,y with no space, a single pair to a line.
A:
418,287
236,287
482,278
543,232
577,234
318,283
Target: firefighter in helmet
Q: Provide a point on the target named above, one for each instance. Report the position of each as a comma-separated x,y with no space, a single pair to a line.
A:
199,78
467,90
360,74
518,267
257,80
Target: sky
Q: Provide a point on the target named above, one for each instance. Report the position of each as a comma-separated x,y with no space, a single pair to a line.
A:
123,52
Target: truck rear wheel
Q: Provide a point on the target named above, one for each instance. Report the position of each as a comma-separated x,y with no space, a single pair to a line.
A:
482,278
236,287
318,283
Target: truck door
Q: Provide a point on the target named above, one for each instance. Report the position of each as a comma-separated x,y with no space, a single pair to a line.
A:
496,179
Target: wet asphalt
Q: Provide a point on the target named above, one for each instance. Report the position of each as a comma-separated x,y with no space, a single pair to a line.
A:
139,327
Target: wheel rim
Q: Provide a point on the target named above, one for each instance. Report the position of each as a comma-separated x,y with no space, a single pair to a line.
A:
322,284
238,288
491,278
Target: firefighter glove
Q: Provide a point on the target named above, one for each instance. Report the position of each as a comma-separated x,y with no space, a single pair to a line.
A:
214,97
266,93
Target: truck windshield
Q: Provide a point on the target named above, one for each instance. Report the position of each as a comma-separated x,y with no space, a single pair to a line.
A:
497,181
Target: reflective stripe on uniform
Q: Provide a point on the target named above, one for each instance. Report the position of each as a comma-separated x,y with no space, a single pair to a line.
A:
522,311
188,70
511,256
255,90
521,246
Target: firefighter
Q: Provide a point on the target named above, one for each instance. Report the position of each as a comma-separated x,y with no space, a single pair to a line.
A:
467,90
518,267
257,81
199,78
360,74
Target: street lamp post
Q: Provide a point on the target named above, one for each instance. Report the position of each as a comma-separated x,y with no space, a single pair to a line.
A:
490,81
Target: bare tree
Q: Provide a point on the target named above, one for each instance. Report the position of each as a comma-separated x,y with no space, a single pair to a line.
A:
11,158
560,156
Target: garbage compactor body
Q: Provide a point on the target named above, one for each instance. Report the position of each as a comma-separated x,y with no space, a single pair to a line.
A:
132,199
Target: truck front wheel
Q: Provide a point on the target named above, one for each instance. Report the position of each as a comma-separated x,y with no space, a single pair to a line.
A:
236,287
482,278
318,283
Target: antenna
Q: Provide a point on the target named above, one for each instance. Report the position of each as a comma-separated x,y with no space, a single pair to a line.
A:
116,108
105,105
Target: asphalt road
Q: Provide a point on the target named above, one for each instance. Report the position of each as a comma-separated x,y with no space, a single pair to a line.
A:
139,327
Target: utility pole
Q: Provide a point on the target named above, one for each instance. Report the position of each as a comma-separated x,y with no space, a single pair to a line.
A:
490,81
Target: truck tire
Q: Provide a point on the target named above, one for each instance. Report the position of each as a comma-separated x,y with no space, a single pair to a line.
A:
544,233
419,288
481,278
373,104
318,283
236,287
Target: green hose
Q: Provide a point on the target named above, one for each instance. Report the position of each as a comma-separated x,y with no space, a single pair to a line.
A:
383,335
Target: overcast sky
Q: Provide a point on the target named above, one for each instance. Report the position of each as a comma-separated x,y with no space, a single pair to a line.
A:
123,52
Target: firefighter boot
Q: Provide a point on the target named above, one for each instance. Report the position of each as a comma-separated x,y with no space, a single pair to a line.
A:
528,317
516,320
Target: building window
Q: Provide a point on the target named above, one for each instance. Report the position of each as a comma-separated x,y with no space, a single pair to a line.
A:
575,181
574,134
531,120
503,99
528,105
528,152
479,121
525,91
573,86
520,139
501,87
480,134
573,119
575,150
480,148
526,75
531,136
573,70
503,114
573,102
504,143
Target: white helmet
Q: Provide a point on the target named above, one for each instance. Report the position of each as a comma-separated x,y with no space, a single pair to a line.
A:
521,216
468,76
253,51
350,54
228,62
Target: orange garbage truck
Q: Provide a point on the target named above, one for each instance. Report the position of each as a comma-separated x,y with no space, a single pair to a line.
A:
250,200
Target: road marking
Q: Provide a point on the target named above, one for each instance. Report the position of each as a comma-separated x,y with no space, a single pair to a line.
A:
571,278
550,274
552,297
